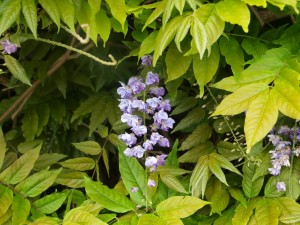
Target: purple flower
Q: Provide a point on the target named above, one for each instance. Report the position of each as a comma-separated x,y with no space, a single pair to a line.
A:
138,151
275,139
160,116
285,130
128,152
9,47
129,139
147,60
166,124
157,91
155,137
151,183
151,161
124,91
134,189
161,159
154,102
281,186
165,105
139,104
148,145
152,78
163,142
297,151
131,120
139,130
137,85
125,105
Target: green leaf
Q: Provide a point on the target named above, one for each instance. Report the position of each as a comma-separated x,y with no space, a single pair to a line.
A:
149,219
2,147
214,25
282,3
16,69
260,118
81,163
88,147
238,195
225,218
71,178
6,199
20,169
10,13
251,188
115,140
147,45
233,53
254,47
50,203
52,9
38,182
184,105
43,112
118,10
262,3
193,155
76,216
47,221
98,115
21,209
182,31
133,175
172,182
108,198
235,12
219,201
179,207
30,13
267,211
167,12
194,117
103,25
206,68
67,12
47,159
180,5
85,107
290,210
240,100
30,124
200,37
176,63
159,9
198,136
243,214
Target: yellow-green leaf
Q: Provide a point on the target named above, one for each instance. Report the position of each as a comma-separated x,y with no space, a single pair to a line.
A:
200,37
147,45
149,219
179,206
260,118
290,210
118,10
81,163
160,8
282,3
172,182
235,12
71,178
50,203
52,9
11,11
21,209
103,25
88,147
67,12
2,147
6,199
262,3
182,31
81,217
267,211
30,13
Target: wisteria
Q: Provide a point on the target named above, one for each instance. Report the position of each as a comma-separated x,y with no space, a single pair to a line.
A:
9,47
145,111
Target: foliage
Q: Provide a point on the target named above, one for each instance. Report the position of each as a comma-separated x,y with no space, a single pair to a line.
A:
231,69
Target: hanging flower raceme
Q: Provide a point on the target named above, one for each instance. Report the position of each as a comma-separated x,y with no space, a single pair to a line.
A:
145,111
9,47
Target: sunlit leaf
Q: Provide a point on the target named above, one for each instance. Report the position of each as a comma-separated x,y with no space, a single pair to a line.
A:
21,209
88,147
50,203
30,13
118,10
6,199
52,9
150,219
267,211
81,163
2,147
67,12
11,10
76,216
200,37
290,210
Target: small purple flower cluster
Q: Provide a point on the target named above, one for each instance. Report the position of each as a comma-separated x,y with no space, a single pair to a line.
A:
144,97
9,47
282,139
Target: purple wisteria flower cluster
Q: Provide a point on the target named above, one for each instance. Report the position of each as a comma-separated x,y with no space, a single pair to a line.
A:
282,139
8,47
145,111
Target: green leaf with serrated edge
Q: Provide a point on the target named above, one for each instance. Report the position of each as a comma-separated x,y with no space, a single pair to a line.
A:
109,198
165,36
226,217
133,175
10,13
200,37
50,203
149,219
88,147
182,31
43,112
192,155
30,13
260,118
118,10
184,105
243,214
240,100
198,136
179,206
30,124
176,63
206,68
21,209
219,201
2,147
47,159
235,12
290,210
98,115
66,12
267,211
282,3
262,3
251,188
71,178
80,164
82,217
214,25
147,45
254,47
159,9
103,25
6,199
85,107
20,169
172,182
16,69
52,9
194,117
238,195
37,183
233,53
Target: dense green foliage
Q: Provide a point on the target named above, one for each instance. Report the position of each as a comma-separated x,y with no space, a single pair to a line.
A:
231,69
